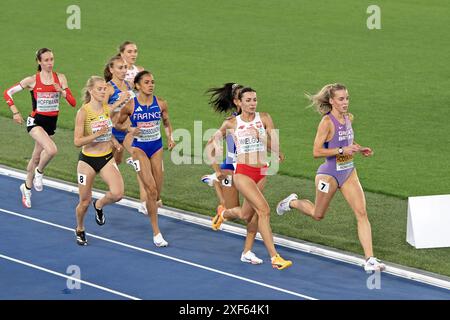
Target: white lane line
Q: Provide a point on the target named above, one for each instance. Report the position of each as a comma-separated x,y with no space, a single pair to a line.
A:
164,256
311,248
90,284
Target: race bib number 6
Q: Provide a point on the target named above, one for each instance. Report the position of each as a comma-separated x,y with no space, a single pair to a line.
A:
228,181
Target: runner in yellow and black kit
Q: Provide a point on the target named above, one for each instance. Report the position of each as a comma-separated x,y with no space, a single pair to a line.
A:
93,128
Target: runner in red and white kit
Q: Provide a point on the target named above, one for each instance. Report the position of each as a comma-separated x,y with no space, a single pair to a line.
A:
129,52
251,132
46,88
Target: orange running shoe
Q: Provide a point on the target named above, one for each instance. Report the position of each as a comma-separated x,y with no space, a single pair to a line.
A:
218,219
279,263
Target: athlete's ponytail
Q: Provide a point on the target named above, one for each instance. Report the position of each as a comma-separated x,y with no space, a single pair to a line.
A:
39,53
222,98
107,73
321,100
89,86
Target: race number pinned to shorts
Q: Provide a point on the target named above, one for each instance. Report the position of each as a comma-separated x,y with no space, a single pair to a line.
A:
228,181
323,186
82,179
30,121
137,165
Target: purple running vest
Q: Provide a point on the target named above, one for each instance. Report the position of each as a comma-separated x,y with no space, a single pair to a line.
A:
339,166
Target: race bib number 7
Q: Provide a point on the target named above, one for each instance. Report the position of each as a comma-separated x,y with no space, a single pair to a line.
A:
323,186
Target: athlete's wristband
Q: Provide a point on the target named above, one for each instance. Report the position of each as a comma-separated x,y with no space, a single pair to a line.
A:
8,93
69,97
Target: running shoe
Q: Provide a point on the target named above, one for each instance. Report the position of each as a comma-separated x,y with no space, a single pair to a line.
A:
283,205
99,216
159,241
37,181
209,179
279,263
26,196
143,208
373,264
250,257
218,219
81,237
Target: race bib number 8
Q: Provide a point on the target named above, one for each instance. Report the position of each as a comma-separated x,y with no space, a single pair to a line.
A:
82,179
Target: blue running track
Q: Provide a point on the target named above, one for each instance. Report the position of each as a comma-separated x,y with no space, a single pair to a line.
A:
38,252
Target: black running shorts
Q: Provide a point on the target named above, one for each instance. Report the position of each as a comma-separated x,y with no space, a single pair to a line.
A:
96,163
47,123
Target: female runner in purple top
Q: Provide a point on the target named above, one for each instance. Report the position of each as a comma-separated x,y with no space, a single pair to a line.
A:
335,142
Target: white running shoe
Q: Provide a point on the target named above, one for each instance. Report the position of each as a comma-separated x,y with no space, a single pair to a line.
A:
209,179
143,208
26,196
159,241
250,257
37,181
283,205
373,264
